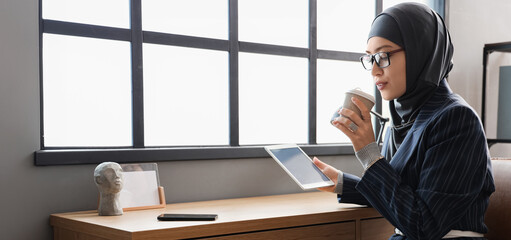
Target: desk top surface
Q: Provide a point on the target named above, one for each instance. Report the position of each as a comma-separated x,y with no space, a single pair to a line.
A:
234,215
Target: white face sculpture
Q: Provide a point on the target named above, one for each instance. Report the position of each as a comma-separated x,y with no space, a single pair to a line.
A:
109,178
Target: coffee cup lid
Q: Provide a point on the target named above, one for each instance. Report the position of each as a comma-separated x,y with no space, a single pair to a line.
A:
363,94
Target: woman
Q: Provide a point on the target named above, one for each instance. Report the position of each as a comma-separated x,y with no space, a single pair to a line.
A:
432,179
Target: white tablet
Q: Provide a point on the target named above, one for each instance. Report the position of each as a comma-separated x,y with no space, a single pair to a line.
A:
299,166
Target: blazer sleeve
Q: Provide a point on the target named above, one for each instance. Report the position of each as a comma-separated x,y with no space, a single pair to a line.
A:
454,157
349,192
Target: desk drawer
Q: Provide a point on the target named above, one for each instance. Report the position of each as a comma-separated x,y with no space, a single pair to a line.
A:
376,229
343,230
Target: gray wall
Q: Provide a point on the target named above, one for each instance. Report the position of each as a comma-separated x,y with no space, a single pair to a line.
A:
30,194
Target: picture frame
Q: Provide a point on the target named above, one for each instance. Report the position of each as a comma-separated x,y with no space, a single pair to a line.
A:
141,188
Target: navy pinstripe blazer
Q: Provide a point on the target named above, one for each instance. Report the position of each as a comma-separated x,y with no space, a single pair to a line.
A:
440,178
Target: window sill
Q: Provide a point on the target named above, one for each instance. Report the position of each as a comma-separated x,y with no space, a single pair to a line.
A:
130,155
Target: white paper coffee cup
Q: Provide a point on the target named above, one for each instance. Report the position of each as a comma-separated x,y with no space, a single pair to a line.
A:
366,98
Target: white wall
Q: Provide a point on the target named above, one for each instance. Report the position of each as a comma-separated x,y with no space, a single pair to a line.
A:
473,23
29,194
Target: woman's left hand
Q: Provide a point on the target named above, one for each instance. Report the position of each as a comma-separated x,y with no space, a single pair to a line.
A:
330,172
358,129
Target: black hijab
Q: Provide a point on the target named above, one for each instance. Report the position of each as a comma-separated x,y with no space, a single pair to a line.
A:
428,48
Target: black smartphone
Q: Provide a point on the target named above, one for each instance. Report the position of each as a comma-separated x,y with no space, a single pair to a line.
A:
187,217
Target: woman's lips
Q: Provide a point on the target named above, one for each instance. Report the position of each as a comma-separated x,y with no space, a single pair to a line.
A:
381,85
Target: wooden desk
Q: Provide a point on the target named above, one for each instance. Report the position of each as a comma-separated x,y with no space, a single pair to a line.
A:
313,215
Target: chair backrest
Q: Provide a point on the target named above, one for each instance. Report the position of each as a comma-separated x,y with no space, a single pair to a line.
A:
498,215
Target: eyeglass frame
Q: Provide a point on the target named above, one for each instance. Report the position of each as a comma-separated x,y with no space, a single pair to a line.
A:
373,59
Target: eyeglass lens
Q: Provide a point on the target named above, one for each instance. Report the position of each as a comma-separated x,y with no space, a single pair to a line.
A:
381,58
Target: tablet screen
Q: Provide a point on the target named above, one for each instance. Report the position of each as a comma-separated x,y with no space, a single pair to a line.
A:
299,166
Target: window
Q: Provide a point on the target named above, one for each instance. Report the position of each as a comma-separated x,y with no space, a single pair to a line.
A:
160,80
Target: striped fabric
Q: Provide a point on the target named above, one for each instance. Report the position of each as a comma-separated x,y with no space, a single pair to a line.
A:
440,178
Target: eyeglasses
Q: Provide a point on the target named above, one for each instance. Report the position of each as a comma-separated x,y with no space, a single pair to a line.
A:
382,59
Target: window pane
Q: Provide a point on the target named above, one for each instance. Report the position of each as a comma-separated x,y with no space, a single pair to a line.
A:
273,104
334,79
113,13
343,25
203,18
283,22
390,3
185,96
87,92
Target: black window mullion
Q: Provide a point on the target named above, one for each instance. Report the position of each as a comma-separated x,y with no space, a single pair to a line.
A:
41,82
378,7
233,74
313,62
338,55
185,41
85,30
273,49
137,74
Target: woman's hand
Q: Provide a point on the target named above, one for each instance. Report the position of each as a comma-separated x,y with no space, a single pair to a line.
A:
330,172
359,130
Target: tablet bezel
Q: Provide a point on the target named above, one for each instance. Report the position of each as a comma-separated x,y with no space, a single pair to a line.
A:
303,186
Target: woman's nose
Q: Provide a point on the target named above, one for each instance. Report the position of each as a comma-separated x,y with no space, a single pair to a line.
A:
376,69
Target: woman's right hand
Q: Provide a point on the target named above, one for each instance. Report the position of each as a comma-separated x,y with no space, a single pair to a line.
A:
329,171
363,133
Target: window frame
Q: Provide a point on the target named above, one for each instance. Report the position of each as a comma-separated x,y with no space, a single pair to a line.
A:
138,152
